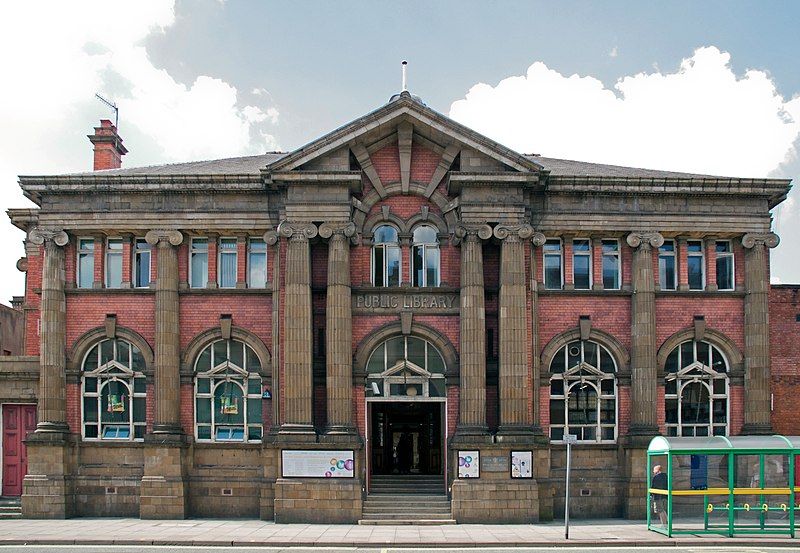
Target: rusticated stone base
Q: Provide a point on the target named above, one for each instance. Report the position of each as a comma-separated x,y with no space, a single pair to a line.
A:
163,491
47,490
495,501
318,500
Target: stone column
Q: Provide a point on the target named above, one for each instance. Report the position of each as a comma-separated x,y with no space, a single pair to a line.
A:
537,241
472,401
339,328
514,379
298,385
644,367
47,487
167,339
52,332
756,333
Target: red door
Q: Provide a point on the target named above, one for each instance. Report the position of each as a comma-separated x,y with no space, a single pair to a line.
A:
17,420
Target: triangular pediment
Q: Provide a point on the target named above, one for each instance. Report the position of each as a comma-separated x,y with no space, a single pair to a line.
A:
404,366
402,121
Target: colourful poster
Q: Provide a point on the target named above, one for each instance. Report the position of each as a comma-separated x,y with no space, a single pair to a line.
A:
521,464
469,464
317,463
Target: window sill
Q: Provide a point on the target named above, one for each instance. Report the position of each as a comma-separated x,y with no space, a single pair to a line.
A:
593,445
216,291
203,444
114,443
701,293
544,292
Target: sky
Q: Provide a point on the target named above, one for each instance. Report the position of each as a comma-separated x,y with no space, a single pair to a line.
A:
707,87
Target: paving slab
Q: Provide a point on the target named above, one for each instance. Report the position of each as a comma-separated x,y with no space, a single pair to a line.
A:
209,532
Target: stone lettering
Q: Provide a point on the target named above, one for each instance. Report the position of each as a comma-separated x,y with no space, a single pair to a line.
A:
395,302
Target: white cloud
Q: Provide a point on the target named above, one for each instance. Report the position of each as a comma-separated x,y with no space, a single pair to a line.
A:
56,55
701,118
614,52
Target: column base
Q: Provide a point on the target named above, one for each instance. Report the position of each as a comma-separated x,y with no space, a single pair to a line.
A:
515,434
471,434
343,435
164,491
757,428
293,432
45,427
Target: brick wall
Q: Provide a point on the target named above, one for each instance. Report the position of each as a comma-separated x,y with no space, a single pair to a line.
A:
784,337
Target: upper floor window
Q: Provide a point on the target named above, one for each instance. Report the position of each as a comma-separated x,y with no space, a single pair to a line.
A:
667,273
583,393
141,264
228,393
85,262
425,264
553,276
114,263
406,366
227,262
257,263
696,390
724,253
198,263
611,264
582,264
114,391
385,257
695,262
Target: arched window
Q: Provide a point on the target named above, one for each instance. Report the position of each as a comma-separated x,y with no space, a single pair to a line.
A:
385,257
583,393
406,366
114,391
425,257
228,393
696,390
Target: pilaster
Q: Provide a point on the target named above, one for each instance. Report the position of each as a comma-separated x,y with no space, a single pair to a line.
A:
756,333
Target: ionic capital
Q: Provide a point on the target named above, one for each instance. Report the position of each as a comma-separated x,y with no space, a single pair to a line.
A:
39,236
297,231
768,239
513,233
645,240
471,232
162,237
271,237
22,264
538,239
346,229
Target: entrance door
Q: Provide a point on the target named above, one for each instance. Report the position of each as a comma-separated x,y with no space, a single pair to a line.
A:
406,438
17,421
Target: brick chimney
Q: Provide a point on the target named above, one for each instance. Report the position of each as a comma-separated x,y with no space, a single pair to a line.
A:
108,148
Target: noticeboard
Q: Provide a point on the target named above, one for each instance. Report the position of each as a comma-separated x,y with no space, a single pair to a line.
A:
317,463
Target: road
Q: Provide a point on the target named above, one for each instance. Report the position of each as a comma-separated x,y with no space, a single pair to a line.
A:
240,549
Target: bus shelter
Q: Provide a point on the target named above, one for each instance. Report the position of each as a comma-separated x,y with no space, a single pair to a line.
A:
723,485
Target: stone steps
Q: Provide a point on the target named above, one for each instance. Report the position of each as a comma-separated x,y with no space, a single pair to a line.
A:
10,508
407,499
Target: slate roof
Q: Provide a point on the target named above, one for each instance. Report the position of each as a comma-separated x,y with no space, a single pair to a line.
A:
252,165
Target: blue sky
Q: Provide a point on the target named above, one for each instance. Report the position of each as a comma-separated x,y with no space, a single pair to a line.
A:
706,87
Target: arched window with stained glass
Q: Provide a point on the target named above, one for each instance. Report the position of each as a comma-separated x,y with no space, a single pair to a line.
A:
228,393
583,393
114,391
696,390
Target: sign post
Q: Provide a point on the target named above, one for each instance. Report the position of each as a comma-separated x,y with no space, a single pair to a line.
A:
569,439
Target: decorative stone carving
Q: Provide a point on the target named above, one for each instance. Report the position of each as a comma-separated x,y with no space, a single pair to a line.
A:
297,231
645,240
347,229
768,239
22,264
513,232
538,239
469,231
171,237
271,237
39,236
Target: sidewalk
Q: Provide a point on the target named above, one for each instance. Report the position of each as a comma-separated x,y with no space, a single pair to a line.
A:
131,531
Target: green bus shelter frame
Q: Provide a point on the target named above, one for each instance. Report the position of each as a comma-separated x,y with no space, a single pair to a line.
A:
728,447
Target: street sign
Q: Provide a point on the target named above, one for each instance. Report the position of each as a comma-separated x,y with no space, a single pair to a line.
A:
569,439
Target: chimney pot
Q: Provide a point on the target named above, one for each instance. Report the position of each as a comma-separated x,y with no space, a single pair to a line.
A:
108,148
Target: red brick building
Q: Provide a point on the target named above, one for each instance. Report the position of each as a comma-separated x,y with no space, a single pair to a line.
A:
401,305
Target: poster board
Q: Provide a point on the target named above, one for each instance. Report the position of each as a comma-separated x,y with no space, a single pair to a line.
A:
317,463
521,464
469,465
